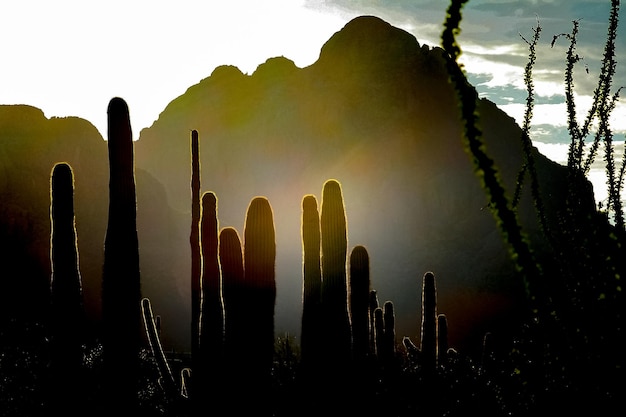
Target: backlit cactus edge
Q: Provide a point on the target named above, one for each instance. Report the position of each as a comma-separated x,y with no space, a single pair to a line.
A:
233,287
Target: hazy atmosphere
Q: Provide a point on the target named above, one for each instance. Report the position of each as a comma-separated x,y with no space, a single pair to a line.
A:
273,198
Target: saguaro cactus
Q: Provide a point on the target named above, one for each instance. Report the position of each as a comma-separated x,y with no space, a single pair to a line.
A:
385,333
259,276
194,241
234,298
121,286
442,339
359,301
429,323
334,239
389,317
379,331
167,381
212,307
67,318
312,283
373,305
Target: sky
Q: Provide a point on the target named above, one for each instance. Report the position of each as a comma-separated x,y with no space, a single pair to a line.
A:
70,57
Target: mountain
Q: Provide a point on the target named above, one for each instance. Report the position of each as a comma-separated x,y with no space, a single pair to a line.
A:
375,112
30,145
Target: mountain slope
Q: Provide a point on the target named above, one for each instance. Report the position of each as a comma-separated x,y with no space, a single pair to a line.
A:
30,145
375,112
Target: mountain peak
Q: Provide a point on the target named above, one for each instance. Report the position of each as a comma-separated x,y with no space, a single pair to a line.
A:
369,40
273,68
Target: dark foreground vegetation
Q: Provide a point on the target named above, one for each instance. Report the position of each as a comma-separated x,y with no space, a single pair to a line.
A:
565,355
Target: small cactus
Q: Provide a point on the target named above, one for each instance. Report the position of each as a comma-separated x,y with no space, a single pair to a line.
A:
385,331
412,350
359,301
429,323
390,329
311,332
373,305
442,339
165,373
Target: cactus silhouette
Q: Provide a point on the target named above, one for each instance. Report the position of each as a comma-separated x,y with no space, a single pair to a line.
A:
412,351
67,313
429,323
442,339
385,334
121,285
359,301
237,343
212,306
185,382
233,292
259,277
166,378
249,296
379,331
194,241
390,330
310,334
373,305
334,242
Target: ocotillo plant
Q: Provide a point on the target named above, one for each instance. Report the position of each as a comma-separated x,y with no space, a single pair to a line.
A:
310,334
359,301
259,276
212,306
194,241
121,285
67,315
429,323
334,238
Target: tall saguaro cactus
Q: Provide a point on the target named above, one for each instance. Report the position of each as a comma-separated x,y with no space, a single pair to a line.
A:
234,297
429,323
67,318
311,332
121,286
194,241
334,239
212,307
359,301
259,275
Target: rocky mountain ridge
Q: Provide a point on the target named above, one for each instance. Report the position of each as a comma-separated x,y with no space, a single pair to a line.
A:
375,112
